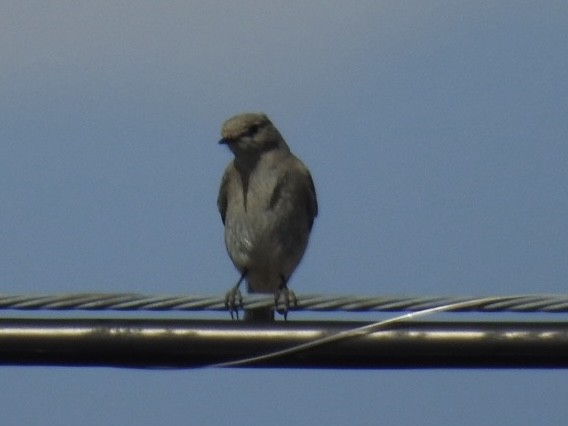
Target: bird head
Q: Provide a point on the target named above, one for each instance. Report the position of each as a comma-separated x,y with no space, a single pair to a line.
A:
251,134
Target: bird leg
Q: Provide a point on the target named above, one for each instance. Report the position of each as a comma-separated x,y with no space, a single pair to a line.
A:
284,296
234,298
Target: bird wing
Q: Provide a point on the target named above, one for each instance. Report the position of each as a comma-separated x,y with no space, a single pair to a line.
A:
222,197
297,184
312,201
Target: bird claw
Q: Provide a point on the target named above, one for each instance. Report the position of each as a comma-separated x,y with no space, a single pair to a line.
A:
284,297
234,301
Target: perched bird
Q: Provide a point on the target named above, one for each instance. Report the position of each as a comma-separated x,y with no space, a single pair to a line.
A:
267,202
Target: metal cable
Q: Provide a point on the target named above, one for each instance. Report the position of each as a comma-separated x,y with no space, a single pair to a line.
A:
138,302
354,332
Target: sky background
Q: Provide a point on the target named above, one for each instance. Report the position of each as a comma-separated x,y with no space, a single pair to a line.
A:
436,133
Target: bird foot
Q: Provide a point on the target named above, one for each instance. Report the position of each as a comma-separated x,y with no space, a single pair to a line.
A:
283,299
234,301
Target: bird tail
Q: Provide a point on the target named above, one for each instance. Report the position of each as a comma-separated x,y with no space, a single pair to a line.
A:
260,315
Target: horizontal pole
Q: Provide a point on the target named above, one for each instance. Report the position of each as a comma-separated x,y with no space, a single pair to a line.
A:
164,343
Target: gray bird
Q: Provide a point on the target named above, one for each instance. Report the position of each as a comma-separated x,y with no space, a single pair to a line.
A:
267,202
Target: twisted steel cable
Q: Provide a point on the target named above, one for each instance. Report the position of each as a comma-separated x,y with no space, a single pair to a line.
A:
547,303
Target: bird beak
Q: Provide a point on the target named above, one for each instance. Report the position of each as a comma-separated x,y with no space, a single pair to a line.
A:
225,141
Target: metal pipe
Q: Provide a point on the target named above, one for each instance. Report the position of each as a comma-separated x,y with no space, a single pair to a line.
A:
175,343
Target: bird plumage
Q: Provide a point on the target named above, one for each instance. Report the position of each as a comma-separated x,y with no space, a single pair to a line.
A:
267,203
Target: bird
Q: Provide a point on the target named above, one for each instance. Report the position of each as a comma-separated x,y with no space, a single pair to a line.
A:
267,201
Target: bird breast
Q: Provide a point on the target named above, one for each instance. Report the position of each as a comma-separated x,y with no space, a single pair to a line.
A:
264,233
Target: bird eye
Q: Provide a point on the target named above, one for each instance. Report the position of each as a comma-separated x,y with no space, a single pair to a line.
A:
253,129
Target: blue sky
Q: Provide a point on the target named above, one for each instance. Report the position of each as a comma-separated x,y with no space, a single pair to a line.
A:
436,133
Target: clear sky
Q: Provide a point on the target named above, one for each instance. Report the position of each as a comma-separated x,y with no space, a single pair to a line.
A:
436,133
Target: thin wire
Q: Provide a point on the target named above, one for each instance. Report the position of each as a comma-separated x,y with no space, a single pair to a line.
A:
318,303
366,329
